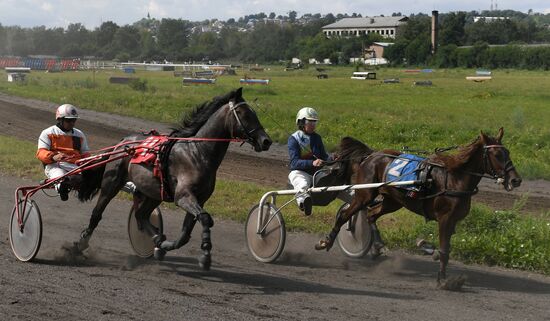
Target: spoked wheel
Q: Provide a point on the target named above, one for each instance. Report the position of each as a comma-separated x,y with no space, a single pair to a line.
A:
355,237
25,242
269,244
140,240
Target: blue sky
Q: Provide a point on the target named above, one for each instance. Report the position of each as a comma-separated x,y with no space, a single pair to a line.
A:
59,13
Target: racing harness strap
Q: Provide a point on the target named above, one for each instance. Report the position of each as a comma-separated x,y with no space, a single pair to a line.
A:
154,151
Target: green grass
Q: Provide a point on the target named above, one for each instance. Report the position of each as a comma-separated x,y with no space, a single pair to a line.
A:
504,238
451,112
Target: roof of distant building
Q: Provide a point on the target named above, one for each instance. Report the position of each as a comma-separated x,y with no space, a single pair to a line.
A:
374,22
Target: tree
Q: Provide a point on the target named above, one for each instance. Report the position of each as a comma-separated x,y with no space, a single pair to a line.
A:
395,53
292,16
173,37
18,41
2,40
104,36
127,40
47,41
272,15
149,49
452,29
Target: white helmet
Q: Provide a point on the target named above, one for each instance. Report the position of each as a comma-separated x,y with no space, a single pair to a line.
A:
307,113
66,111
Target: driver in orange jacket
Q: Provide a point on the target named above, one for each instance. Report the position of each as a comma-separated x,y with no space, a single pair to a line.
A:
60,146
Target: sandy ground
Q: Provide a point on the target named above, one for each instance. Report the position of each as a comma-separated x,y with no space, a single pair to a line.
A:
113,284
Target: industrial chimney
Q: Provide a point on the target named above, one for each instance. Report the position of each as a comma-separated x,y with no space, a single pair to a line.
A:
435,30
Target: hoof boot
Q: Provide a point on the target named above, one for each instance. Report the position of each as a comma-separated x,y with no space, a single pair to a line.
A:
159,254
204,262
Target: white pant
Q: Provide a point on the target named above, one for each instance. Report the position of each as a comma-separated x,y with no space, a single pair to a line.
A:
54,170
301,181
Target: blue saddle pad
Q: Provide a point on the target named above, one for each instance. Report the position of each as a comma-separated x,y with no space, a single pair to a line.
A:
405,167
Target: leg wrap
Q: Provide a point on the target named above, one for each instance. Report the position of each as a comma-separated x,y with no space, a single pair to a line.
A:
206,244
206,219
158,239
87,233
332,235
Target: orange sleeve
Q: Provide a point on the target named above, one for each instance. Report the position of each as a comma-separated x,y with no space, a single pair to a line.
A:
45,156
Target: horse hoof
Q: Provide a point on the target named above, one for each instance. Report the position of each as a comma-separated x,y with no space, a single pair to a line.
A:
376,252
204,262
159,254
322,245
82,244
452,284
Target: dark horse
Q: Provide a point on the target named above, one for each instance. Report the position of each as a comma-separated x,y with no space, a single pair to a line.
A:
191,171
447,199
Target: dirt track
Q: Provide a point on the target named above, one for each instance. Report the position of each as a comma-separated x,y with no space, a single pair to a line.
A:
303,285
114,285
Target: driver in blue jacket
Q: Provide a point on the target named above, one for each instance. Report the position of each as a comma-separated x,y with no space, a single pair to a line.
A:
307,154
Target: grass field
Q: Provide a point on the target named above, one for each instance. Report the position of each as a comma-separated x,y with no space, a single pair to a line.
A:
451,112
504,238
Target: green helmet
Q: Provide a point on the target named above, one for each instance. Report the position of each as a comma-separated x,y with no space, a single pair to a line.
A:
307,113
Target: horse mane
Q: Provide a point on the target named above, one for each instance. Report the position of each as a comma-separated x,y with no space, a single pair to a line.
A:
454,162
190,123
350,151
353,149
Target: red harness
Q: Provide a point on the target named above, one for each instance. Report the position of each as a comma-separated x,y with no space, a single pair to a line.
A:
148,151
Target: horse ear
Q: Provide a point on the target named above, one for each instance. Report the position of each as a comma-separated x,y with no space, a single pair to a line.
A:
483,137
239,93
500,134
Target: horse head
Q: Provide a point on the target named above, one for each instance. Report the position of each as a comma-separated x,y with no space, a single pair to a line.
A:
245,124
497,161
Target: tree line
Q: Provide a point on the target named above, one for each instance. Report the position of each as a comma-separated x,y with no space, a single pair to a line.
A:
516,40
263,38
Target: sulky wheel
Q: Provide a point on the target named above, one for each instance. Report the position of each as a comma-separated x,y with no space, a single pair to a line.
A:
269,244
140,240
25,241
355,236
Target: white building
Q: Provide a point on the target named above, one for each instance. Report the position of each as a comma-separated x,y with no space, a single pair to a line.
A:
347,27
490,19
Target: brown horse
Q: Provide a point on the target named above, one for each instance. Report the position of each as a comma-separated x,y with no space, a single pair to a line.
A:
453,179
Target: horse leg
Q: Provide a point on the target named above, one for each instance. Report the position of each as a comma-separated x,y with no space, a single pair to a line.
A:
445,233
373,214
143,207
206,246
189,203
447,224
341,219
186,229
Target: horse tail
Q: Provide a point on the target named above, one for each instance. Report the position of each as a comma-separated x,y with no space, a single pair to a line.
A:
91,183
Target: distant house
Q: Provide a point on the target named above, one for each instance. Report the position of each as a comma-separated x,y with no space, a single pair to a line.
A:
348,27
376,50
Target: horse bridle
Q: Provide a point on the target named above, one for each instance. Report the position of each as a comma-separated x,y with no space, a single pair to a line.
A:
487,164
247,133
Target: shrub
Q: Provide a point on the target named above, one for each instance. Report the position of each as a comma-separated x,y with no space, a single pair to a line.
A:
138,84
